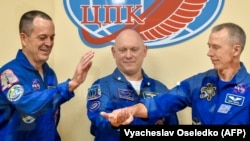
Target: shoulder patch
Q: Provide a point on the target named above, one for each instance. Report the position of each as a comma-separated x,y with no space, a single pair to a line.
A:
94,92
94,105
15,93
8,78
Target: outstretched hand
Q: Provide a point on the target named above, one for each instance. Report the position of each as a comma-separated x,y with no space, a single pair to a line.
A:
81,70
118,117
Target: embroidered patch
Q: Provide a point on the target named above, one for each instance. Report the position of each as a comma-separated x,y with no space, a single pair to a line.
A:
15,93
240,88
36,84
208,92
148,94
94,105
125,94
234,99
94,92
28,119
224,108
8,78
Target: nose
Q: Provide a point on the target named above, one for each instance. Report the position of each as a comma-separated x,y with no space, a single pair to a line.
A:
128,54
210,52
49,41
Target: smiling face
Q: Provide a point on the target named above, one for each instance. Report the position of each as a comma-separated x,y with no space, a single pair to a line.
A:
38,45
222,51
129,52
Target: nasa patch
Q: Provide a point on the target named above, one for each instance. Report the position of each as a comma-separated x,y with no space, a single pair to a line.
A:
240,88
15,93
161,23
36,84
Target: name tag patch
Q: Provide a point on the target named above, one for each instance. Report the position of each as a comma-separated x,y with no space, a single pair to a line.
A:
125,94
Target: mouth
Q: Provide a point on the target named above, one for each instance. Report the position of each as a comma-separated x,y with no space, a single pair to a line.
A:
215,62
128,63
45,50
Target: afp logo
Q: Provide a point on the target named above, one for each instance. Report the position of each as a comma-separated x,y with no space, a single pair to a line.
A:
161,23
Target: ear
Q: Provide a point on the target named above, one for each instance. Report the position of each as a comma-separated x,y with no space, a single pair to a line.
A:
237,50
113,51
22,38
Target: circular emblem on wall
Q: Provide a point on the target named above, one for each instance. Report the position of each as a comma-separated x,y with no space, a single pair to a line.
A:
161,23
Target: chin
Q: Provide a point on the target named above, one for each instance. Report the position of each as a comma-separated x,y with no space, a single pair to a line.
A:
217,67
44,59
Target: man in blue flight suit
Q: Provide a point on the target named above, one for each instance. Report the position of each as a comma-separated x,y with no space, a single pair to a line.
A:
126,86
30,96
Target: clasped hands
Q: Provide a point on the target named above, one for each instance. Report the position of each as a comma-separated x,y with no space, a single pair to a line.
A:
118,117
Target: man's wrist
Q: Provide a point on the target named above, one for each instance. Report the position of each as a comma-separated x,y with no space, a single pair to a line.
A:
72,85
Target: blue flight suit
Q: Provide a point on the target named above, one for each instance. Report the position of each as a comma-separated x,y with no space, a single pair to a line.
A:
114,92
29,111
213,101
